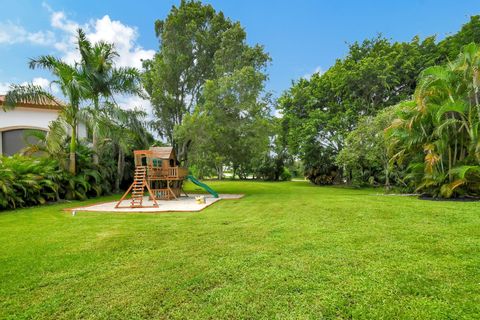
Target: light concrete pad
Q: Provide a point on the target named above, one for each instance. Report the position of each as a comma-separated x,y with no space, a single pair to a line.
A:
181,204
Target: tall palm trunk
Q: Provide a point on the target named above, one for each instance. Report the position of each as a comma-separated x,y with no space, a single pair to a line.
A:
387,174
475,91
120,169
95,157
72,167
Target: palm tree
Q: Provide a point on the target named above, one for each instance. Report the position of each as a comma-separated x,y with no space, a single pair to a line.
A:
125,130
105,80
438,130
73,84
51,143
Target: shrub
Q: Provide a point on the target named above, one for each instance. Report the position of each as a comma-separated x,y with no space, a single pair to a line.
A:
28,181
285,175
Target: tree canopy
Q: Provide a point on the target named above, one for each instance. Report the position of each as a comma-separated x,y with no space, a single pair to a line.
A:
318,113
206,85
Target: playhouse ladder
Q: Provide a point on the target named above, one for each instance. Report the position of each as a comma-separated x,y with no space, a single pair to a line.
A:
138,186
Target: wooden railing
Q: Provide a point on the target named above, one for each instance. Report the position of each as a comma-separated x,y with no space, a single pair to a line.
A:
172,172
182,172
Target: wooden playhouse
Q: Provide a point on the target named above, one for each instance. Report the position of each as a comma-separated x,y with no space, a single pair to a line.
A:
157,170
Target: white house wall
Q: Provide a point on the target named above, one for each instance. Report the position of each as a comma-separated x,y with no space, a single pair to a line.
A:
82,131
27,118
31,118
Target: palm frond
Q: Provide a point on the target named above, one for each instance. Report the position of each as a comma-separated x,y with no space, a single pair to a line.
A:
29,93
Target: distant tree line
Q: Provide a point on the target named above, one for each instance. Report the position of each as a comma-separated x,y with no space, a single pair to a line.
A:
335,122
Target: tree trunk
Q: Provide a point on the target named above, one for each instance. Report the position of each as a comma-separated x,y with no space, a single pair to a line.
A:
95,136
72,166
120,170
476,95
95,146
449,164
220,172
387,176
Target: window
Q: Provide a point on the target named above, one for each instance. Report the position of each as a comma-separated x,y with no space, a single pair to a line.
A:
13,141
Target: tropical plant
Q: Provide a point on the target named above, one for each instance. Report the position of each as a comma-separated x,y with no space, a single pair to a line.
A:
104,80
74,86
26,181
51,143
365,159
319,112
125,130
437,132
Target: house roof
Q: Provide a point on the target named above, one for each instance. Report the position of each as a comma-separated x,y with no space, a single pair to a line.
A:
44,104
163,152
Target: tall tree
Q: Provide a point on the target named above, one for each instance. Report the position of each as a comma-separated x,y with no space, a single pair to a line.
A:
365,158
104,78
437,133
450,47
74,85
127,130
232,126
197,44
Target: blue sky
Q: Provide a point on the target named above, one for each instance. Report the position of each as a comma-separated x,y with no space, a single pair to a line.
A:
301,36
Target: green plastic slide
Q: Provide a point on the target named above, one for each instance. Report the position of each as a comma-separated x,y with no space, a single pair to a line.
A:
203,185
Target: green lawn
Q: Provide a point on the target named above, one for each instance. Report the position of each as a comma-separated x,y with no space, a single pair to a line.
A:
286,250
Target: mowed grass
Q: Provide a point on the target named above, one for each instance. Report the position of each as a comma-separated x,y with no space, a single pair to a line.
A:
286,250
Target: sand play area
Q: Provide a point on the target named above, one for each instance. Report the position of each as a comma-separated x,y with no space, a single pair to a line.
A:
181,204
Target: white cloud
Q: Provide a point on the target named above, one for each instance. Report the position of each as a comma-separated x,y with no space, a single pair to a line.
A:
63,34
4,87
134,102
42,82
105,29
112,31
277,113
39,81
63,38
318,70
12,33
45,84
124,37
